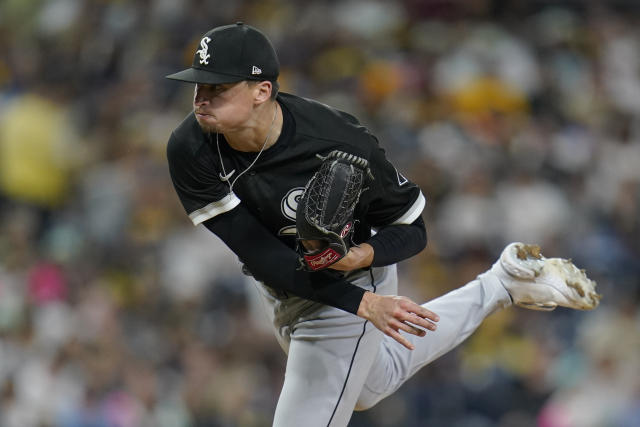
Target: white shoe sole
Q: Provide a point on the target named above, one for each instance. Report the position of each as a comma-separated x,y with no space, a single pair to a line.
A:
540,283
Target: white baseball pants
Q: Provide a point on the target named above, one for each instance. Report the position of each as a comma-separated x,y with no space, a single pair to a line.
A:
338,362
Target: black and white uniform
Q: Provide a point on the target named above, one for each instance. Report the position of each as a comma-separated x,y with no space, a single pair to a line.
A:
336,360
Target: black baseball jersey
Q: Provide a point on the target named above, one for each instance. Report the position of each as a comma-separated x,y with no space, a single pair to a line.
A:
271,188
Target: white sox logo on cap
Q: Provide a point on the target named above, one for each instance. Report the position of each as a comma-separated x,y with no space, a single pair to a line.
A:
241,53
203,51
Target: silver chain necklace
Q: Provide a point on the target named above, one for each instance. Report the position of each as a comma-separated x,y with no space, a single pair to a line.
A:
224,176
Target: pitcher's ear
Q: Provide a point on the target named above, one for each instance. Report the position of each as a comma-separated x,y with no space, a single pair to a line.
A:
262,91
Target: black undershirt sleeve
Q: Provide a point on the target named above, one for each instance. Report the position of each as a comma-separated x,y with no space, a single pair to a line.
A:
395,243
275,264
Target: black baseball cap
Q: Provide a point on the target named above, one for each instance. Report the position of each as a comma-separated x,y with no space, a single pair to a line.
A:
232,53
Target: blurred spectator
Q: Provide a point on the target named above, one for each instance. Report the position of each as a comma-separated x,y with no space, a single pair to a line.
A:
37,151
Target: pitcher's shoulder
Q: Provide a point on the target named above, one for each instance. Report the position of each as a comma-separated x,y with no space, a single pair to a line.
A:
318,120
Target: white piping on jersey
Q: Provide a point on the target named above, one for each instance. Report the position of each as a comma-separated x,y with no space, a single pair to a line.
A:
413,213
218,207
224,176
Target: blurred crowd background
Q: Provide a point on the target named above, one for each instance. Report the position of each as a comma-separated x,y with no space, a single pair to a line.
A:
519,119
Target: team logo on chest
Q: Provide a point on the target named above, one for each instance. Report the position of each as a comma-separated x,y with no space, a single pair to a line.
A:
288,207
204,51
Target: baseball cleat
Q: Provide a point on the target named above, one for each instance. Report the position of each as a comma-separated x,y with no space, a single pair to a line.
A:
540,283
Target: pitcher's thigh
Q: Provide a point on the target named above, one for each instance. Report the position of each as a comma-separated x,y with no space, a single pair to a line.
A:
324,376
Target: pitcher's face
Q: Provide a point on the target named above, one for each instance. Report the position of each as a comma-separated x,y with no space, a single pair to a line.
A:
223,107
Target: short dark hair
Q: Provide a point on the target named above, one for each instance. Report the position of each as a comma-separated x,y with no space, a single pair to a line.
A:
275,87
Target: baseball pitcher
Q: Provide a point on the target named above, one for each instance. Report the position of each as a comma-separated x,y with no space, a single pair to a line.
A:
304,195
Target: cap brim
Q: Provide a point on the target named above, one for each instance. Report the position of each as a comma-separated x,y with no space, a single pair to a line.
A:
193,75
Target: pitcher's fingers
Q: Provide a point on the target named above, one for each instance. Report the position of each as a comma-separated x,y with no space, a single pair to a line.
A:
419,321
408,328
396,336
426,313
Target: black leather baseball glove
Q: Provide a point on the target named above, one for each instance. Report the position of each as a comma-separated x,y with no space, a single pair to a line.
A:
324,217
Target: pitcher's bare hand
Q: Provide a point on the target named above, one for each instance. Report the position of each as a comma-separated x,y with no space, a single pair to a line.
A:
392,314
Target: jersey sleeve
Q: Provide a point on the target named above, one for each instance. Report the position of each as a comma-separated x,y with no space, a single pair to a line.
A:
202,194
392,198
